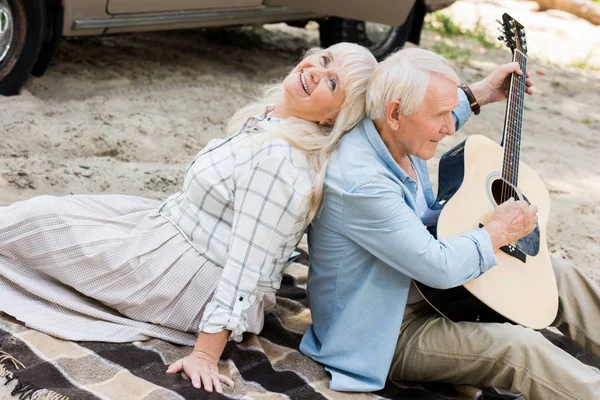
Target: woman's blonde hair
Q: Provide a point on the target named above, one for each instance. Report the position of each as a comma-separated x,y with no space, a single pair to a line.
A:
404,76
319,142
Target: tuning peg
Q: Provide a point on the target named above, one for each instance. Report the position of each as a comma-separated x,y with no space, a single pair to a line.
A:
501,38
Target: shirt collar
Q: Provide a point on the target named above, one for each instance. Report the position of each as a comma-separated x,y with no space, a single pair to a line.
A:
267,114
263,117
375,139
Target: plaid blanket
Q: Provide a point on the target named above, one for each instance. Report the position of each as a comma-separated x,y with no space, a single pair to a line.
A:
269,366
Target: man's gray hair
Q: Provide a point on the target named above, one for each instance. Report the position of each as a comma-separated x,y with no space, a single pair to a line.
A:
404,76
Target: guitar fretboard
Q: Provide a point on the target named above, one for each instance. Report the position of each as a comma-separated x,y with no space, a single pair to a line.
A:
513,124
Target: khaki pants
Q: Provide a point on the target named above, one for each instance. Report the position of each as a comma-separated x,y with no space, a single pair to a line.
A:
431,348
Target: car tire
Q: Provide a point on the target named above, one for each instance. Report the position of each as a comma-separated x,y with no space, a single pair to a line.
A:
22,29
52,37
334,30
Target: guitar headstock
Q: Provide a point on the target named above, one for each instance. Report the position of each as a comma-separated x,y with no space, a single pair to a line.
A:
513,34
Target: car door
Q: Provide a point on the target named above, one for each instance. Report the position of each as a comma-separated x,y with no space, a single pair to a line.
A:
153,6
390,12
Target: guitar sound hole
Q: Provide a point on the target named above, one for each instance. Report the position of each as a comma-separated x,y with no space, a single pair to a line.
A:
502,191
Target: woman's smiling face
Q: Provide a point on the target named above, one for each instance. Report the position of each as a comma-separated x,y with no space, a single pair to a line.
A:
314,90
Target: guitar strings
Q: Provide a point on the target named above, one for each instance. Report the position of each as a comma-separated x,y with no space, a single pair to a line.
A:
513,129
521,86
516,123
513,136
508,139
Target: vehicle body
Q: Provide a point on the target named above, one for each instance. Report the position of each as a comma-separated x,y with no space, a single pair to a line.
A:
31,30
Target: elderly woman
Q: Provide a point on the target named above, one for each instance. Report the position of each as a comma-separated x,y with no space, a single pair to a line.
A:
204,265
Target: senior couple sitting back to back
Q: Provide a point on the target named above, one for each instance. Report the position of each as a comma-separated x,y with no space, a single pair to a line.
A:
339,148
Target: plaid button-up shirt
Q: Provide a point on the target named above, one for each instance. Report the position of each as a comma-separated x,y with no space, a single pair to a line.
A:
242,202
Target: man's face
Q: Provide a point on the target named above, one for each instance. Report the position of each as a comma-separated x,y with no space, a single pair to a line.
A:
420,132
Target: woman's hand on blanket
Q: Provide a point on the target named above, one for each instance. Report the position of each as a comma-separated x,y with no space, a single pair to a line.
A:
203,371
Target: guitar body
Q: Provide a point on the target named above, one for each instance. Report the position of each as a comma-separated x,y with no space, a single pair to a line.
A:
521,288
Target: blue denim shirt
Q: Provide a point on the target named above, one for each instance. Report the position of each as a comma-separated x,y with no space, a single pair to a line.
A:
366,246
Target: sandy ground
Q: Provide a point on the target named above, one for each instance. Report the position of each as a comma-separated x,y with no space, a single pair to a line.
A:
124,114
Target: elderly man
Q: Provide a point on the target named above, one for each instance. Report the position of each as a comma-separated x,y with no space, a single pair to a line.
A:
368,243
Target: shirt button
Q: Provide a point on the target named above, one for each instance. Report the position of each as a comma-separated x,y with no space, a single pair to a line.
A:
241,299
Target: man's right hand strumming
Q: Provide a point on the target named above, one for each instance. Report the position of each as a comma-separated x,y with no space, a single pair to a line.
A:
511,221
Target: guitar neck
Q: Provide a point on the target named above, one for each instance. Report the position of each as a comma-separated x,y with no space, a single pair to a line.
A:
513,121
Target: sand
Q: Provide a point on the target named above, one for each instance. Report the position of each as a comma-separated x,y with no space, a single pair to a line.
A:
125,114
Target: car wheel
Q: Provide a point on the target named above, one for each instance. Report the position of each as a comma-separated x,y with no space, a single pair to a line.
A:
21,34
380,39
52,37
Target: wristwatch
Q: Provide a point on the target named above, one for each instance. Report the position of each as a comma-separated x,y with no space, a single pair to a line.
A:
475,108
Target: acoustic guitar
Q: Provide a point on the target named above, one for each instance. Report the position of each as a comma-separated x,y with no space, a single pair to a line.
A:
474,178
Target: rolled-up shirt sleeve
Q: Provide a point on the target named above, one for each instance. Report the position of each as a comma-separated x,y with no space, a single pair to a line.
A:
267,211
462,113
378,219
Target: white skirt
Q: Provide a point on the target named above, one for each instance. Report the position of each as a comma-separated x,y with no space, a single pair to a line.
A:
105,268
